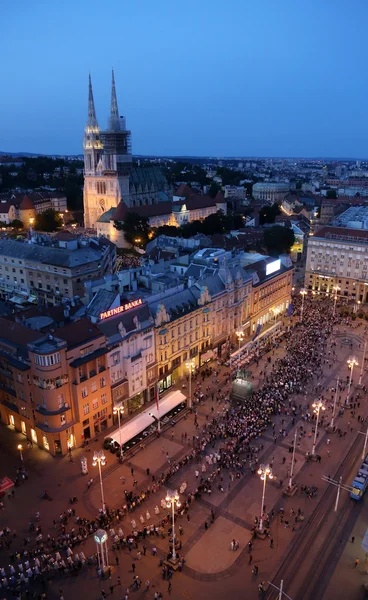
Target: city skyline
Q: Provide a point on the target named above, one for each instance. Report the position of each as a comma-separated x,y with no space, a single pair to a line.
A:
191,82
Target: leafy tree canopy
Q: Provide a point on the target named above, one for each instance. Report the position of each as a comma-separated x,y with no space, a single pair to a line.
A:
49,220
136,229
268,213
278,240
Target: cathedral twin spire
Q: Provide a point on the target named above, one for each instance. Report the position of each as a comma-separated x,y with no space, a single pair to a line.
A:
114,120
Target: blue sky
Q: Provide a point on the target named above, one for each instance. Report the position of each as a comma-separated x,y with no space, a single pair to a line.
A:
200,77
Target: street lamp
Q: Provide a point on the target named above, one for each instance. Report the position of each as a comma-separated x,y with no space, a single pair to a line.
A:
241,336
100,459
20,448
303,293
172,499
317,407
352,362
190,366
336,289
119,410
264,471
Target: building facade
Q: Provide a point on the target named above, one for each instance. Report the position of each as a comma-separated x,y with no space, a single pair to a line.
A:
270,192
109,175
54,388
131,357
49,270
338,256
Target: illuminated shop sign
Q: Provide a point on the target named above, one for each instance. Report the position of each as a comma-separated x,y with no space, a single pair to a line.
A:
274,266
120,309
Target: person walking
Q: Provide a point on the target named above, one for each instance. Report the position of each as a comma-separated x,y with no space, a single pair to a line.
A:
356,563
250,559
133,567
169,587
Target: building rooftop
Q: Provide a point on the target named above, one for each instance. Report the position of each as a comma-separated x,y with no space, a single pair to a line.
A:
78,333
355,217
342,233
49,255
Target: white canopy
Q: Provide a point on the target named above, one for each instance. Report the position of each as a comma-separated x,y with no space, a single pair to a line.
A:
144,419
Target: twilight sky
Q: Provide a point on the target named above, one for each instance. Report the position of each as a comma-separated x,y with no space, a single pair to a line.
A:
198,77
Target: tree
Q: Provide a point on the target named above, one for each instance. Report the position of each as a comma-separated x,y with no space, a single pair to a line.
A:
135,227
49,220
213,189
17,224
268,214
169,230
278,240
191,229
331,194
215,223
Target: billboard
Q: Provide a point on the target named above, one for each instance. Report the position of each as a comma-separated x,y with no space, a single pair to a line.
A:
273,267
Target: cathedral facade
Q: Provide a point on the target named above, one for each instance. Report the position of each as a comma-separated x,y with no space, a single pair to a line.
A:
109,174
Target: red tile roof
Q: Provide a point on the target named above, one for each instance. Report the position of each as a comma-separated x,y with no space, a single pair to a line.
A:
184,190
26,204
120,212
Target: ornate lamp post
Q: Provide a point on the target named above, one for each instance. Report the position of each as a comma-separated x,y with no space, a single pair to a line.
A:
20,448
172,500
240,335
336,289
119,410
352,362
100,459
317,407
264,471
190,366
303,293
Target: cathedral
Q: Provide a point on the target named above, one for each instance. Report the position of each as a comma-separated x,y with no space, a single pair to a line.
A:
110,178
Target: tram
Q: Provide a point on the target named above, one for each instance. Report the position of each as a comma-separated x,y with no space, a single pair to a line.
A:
360,481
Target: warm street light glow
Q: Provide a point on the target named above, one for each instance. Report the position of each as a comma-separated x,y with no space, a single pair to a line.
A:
317,407
172,499
119,410
20,448
100,459
336,288
303,293
352,362
190,364
264,471
241,336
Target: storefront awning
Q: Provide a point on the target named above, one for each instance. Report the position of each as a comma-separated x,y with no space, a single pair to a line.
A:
144,419
18,300
207,356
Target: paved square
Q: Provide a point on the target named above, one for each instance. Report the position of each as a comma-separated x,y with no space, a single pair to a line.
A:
212,553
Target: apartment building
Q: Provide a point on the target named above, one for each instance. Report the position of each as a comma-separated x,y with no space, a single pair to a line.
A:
130,335
338,256
54,383
182,332
48,270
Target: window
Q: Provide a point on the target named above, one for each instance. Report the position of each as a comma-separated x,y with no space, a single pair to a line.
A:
61,400
115,358
95,403
93,386
86,408
86,350
47,360
62,419
102,382
84,392
103,398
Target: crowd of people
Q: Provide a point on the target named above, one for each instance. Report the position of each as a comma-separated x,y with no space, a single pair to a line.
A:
222,449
